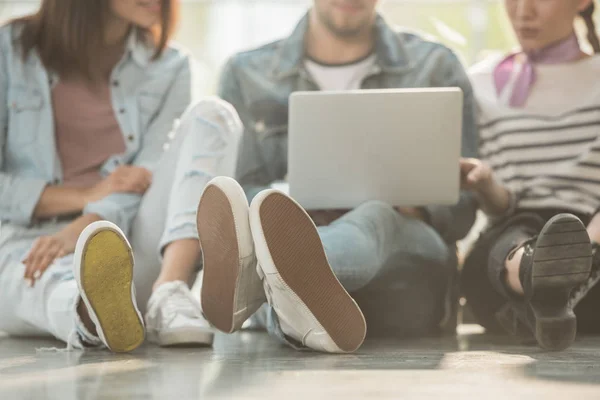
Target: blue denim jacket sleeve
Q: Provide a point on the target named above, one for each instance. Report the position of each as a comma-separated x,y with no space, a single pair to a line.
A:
18,195
454,222
251,172
121,208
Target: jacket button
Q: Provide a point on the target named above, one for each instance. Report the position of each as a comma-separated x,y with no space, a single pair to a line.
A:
122,111
115,83
130,138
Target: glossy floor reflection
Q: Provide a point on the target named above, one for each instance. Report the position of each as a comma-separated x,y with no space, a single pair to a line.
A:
253,366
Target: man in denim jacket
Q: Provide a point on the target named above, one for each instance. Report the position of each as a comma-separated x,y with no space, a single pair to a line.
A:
397,264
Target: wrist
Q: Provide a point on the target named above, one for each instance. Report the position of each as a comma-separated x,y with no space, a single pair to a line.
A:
84,197
488,187
495,202
89,218
68,237
70,233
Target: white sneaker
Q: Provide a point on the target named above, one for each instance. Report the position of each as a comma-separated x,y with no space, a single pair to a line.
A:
311,304
174,317
103,269
231,289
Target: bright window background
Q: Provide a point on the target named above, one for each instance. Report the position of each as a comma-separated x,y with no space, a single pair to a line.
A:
215,29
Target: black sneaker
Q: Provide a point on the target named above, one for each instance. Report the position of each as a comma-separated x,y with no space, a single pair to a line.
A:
555,263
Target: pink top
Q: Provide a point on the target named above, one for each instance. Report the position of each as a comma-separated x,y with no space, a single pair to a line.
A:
86,128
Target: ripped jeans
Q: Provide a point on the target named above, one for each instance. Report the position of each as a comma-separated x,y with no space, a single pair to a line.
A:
203,144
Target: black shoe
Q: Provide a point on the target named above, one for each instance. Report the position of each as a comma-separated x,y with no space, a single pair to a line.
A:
555,263
582,290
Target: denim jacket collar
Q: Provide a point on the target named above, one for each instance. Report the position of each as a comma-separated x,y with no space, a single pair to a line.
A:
389,49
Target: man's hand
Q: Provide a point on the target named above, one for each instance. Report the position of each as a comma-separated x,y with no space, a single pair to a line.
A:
125,179
412,212
326,217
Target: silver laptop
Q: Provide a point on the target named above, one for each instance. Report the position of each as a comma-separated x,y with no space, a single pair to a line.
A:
400,146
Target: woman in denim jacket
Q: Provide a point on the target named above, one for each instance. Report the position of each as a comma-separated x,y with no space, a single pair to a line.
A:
97,138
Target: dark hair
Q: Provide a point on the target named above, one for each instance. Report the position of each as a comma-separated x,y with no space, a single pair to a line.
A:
69,34
588,17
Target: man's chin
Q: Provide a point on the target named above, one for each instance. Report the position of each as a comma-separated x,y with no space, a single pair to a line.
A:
347,31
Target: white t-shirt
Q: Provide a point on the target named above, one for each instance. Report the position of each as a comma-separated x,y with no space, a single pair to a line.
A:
342,76
548,152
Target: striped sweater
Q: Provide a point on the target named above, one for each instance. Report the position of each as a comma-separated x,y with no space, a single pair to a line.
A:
547,153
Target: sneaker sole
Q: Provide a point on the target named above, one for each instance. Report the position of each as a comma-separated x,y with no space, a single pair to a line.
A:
106,275
299,257
562,261
221,254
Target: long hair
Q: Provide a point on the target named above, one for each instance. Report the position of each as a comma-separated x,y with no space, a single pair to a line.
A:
69,34
592,35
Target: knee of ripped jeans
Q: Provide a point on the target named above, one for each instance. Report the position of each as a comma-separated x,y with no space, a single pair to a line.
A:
213,112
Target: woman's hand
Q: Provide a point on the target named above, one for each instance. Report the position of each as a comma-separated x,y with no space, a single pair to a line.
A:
475,174
125,179
47,249
44,252
478,177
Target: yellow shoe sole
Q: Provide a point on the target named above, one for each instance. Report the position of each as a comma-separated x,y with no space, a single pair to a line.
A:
107,278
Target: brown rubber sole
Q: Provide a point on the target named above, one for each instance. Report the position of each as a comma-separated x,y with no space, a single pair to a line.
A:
298,254
218,240
562,261
107,278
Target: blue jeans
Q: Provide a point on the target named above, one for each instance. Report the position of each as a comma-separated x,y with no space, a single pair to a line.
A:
398,269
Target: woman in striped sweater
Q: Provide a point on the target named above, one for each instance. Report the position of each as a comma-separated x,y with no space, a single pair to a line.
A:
533,273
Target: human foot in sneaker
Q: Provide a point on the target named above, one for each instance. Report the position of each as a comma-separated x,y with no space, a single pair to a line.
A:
231,288
312,306
174,317
103,269
553,264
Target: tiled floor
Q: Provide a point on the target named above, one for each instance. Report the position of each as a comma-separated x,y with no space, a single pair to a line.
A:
253,366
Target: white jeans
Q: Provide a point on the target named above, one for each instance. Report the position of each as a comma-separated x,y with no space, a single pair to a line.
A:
204,144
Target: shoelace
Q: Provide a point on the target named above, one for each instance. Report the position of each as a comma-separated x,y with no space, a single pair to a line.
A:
175,301
181,303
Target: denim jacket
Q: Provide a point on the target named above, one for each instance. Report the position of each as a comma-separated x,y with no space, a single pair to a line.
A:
259,82
147,96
